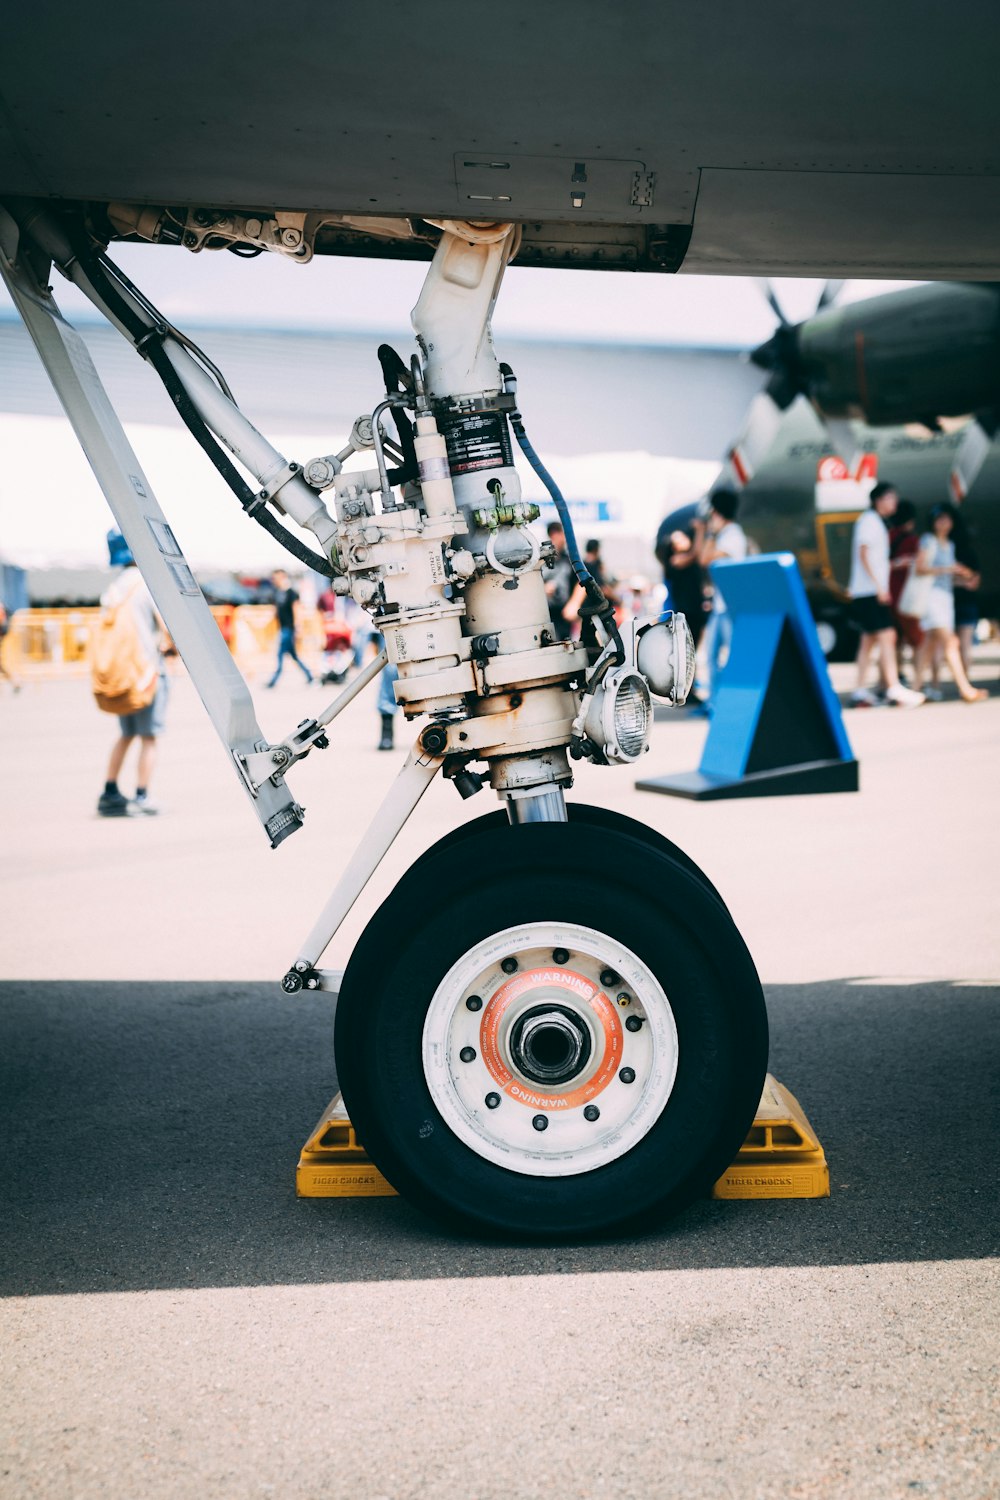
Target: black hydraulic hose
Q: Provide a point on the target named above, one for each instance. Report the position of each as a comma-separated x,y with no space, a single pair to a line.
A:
603,607
251,503
397,378
149,343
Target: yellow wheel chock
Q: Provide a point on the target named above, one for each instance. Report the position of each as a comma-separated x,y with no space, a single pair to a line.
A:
780,1158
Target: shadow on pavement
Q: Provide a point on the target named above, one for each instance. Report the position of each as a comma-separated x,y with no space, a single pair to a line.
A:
151,1133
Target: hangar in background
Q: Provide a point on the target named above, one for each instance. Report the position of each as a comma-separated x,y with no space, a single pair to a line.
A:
676,401
634,429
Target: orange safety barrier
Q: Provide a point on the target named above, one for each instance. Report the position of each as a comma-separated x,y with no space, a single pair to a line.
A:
48,642
44,643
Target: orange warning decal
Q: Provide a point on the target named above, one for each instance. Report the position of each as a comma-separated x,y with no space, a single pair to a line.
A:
581,989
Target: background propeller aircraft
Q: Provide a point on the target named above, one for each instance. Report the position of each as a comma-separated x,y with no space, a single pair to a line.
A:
904,387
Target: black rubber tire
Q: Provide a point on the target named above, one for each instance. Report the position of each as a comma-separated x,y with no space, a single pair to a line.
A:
460,895
602,819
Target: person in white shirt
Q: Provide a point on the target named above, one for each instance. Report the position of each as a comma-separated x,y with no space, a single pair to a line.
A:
722,540
871,603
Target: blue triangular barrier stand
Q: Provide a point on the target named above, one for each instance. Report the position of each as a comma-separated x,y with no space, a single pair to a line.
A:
776,726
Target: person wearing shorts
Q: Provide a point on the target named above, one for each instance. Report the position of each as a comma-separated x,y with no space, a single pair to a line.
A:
147,725
937,558
904,544
871,604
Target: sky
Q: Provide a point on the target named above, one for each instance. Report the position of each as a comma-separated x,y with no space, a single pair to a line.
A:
332,292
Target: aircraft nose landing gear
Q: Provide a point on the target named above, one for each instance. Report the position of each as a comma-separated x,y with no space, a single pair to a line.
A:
551,1027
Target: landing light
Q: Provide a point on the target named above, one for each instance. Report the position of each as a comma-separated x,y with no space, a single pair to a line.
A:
619,718
665,655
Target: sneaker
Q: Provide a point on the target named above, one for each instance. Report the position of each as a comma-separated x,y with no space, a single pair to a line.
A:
142,807
933,695
113,805
904,697
863,698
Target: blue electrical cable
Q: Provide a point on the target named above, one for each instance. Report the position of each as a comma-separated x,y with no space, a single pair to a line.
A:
583,575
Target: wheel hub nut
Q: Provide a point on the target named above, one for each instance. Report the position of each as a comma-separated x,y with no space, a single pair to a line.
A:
550,1044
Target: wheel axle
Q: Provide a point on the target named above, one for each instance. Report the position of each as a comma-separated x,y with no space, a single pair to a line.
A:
550,1044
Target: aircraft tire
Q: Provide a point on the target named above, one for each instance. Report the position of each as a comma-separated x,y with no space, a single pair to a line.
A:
613,1064
604,819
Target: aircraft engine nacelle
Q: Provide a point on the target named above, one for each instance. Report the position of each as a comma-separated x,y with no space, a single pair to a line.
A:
909,356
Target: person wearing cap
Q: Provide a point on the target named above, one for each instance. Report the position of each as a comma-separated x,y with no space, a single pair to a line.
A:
147,725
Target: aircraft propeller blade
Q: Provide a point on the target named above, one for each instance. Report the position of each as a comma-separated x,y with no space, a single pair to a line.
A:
831,291
760,428
766,290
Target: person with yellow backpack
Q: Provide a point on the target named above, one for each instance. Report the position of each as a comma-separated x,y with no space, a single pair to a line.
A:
127,678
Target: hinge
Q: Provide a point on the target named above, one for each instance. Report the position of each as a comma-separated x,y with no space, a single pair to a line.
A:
643,184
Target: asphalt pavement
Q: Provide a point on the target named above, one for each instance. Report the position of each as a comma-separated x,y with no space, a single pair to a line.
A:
175,1323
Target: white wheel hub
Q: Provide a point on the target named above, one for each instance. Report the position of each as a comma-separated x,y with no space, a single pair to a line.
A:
550,1049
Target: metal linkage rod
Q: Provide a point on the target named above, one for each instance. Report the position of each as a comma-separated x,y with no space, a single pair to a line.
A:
418,772
351,691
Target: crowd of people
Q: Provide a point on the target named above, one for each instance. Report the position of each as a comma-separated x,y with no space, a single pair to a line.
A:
913,596
913,599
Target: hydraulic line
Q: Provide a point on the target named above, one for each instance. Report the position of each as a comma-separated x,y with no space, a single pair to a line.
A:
398,377
149,343
117,274
603,607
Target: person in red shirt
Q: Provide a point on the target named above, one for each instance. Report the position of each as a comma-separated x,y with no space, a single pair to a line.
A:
904,544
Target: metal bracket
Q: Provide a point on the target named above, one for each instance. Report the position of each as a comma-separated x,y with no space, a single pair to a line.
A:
276,483
643,184
270,762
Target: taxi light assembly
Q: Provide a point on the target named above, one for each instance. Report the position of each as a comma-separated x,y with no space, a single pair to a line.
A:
619,717
666,657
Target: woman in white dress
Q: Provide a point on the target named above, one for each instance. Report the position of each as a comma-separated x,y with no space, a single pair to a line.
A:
936,560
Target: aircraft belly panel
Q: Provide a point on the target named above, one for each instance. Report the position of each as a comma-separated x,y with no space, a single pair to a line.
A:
855,224
855,142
